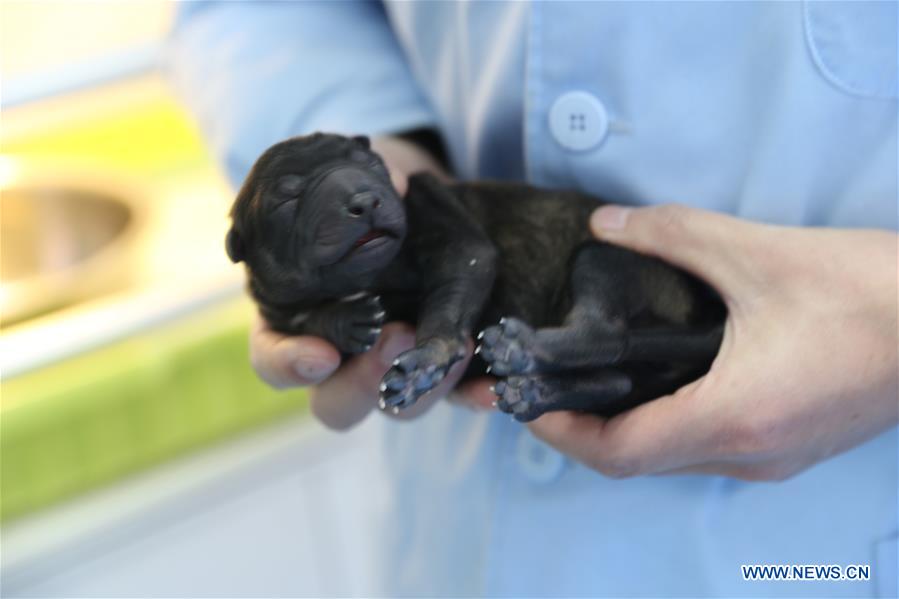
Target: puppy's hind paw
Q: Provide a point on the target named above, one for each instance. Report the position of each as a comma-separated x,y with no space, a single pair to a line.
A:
521,396
508,347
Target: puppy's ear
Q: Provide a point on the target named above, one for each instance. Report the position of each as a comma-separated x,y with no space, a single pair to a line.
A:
234,246
363,141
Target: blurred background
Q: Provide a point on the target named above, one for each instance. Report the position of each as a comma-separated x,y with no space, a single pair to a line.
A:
139,454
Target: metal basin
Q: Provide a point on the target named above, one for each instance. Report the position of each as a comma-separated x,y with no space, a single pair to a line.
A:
64,239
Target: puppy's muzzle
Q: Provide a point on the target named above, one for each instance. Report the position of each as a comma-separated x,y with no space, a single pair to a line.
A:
363,205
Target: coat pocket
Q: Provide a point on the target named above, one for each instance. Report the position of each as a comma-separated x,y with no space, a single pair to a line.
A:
854,45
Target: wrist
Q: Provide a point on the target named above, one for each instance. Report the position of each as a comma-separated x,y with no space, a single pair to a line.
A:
408,155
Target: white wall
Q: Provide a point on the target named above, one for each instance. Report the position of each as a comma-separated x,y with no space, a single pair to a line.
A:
39,36
287,512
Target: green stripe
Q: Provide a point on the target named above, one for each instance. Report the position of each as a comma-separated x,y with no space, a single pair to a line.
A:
89,420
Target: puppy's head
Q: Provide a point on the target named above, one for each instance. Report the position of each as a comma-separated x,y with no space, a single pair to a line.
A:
316,217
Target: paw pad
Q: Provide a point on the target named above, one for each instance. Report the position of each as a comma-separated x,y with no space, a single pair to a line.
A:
411,376
520,396
508,347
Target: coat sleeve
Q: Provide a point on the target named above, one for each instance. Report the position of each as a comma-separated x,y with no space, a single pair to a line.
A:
254,73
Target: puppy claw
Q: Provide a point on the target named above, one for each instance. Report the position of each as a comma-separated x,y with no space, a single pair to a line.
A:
509,347
359,319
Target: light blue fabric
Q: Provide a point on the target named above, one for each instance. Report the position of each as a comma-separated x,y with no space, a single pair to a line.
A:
778,112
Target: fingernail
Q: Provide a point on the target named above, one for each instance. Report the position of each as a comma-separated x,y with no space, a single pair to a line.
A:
313,369
610,218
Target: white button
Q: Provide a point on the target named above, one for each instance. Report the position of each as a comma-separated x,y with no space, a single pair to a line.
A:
578,121
539,462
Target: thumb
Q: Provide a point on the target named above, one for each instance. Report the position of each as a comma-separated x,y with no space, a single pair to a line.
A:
710,245
345,398
399,179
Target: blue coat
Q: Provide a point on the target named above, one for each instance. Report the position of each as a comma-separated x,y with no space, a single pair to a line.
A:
776,112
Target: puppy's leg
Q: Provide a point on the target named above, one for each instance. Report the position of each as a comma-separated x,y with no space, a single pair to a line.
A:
513,347
604,392
609,286
530,396
457,264
352,325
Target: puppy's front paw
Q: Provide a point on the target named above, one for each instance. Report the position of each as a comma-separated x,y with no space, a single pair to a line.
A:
508,347
413,374
358,324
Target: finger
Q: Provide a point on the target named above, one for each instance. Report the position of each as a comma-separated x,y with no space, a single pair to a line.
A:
283,361
670,432
709,468
710,245
477,393
728,469
345,398
388,148
765,471
399,179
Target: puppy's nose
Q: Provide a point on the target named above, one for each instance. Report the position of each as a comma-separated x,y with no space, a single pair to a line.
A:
363,204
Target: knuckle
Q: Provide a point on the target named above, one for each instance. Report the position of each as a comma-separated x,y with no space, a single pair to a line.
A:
671,220
618,466
755,437
333,424
321,406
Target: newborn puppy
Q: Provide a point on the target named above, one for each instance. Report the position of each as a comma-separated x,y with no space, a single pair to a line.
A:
566,322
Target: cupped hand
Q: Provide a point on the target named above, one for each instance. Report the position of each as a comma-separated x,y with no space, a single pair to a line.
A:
344,394
807,368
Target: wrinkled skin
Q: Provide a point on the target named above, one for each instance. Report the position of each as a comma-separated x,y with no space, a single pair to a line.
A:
570,323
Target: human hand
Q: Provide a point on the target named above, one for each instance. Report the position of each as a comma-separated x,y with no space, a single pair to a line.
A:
344,394
807,367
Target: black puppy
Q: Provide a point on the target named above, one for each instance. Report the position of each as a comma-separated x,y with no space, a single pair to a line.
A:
582,325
